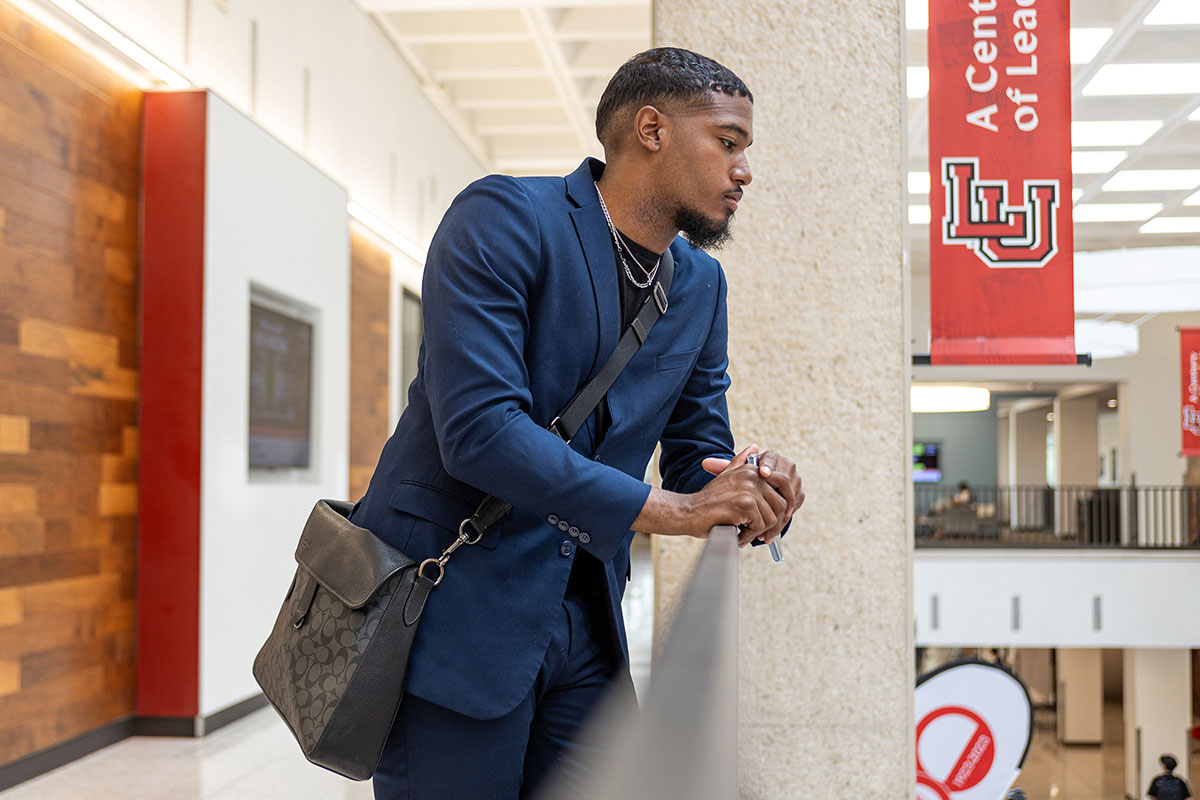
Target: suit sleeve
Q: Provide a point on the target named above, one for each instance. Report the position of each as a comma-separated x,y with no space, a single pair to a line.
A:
483,267
699,424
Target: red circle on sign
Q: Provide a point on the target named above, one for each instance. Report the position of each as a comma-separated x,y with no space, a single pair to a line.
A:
975,761
924,779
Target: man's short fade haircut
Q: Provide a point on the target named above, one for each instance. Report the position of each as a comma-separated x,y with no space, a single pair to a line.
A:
663,76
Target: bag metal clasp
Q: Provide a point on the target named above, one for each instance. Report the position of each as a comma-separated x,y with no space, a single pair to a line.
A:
464,537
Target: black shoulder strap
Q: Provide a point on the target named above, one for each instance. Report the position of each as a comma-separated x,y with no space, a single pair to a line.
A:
568,421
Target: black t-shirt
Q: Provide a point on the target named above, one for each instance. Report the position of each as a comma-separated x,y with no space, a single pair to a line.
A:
1169,787
632,299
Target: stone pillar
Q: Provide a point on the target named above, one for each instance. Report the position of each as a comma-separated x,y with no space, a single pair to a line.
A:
821,363
1158,714
1076,441
1080,695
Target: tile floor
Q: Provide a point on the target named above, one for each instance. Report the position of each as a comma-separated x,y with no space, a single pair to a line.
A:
1081,772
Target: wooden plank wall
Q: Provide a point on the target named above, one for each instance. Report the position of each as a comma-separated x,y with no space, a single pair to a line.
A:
69,160
370,298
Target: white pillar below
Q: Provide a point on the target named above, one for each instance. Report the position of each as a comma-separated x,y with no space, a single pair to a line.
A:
1158,714
1080,696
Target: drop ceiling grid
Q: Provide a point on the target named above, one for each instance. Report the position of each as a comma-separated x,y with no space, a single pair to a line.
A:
519,82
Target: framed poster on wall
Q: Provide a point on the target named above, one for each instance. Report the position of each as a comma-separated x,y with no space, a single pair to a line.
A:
281,382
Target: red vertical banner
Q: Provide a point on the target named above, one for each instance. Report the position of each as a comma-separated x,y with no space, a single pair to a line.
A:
1000,249
1189,351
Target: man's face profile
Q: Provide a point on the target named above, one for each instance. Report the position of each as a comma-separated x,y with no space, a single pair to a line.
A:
706,166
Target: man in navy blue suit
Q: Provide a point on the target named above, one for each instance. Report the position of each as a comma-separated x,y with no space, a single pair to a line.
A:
528,284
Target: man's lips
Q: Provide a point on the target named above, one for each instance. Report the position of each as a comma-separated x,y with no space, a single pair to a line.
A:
733,198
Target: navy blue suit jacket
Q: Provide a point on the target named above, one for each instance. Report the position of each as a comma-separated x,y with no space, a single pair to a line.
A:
520,308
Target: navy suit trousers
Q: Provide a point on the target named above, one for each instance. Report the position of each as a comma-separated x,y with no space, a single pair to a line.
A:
434,752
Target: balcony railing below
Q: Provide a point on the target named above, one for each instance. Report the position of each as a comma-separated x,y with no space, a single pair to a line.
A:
1060,516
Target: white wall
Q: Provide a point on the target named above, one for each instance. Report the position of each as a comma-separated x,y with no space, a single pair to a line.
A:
272,219
1144,598
369,125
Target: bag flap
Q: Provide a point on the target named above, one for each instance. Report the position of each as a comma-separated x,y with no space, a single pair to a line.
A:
349,561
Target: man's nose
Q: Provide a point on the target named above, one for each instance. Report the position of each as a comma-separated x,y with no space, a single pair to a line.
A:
741,173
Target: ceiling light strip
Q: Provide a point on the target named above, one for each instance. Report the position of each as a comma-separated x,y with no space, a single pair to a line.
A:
130,48
153,71
386,232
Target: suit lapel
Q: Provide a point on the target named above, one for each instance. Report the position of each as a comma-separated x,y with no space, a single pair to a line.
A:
596,241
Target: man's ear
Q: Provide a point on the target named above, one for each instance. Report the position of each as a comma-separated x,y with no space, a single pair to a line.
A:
651,128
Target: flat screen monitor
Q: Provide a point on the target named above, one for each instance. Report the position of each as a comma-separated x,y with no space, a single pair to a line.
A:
926,462
281,369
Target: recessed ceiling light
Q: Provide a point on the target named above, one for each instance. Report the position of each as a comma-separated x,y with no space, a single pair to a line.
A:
1172,225
1086,42
1174,12
916,15
918,82
919,215
1152,180
1113,133
918,183
1140,79
942,399
1116,212
1095,162
1112,402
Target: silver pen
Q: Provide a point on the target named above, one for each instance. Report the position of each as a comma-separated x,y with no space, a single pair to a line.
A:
773,545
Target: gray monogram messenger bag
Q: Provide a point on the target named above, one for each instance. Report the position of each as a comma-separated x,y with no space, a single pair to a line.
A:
333,665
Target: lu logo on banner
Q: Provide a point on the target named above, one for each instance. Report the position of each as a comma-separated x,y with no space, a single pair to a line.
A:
1000,262
979,216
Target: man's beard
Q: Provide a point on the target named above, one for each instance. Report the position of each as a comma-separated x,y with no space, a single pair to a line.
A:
702,232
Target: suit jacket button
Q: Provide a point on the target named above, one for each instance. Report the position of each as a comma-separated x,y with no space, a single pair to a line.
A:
573,531
552,519
584,537
566,548
563,525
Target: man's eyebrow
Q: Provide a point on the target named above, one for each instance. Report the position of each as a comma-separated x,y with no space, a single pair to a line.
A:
738,129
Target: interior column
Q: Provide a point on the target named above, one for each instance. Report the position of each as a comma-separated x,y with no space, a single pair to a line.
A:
820,362
1080,695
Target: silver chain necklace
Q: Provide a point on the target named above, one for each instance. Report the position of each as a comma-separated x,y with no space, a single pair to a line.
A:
618,242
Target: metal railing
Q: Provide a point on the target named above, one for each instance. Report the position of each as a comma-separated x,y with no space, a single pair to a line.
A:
683,742
1062,516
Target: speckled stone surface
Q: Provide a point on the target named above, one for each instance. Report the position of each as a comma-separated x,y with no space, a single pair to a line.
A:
819,362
